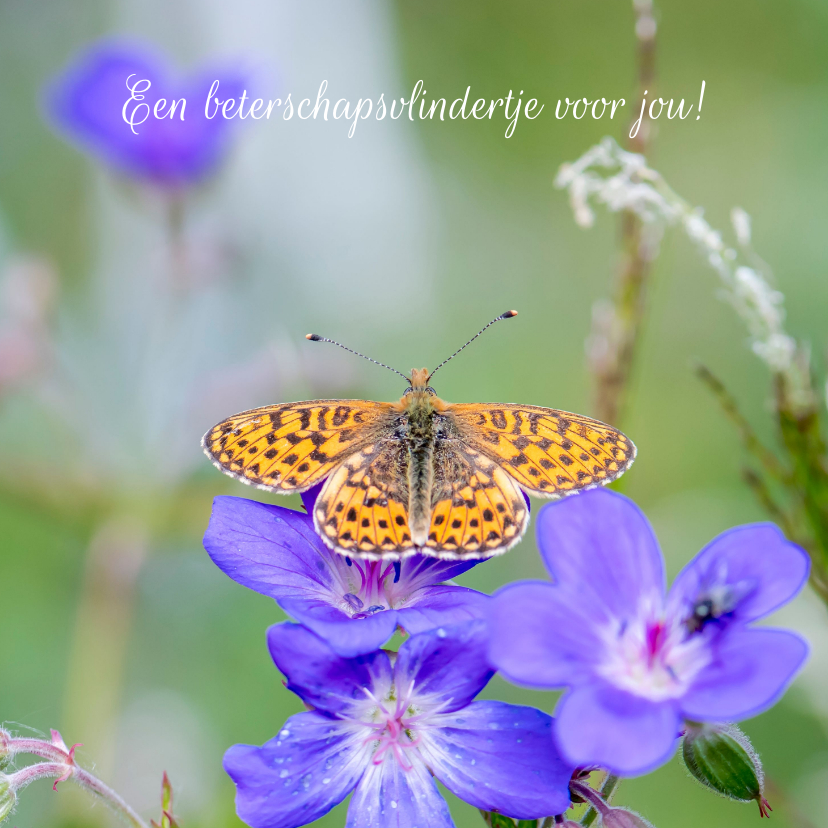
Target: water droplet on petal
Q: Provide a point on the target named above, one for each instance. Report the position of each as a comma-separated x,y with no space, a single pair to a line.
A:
283,774
441,633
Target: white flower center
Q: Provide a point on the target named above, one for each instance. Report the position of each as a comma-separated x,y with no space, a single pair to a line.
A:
653,657
395,725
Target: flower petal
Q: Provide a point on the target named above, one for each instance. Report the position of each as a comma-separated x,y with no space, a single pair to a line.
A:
85,104
346,636
502,757
269,549
389,797
298,776
309,497
756,563
753,667
422,570
449,662
438,606
599,725
318,675
600,545
540,635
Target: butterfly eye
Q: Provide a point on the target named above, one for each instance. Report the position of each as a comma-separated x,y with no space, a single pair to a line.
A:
409,390
431,391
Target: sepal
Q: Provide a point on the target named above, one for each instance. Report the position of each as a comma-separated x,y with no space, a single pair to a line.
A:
8,798
167,819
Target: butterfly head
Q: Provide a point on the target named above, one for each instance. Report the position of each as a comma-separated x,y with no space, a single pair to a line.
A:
419,383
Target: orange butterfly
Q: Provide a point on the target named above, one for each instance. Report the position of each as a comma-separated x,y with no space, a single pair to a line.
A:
420,474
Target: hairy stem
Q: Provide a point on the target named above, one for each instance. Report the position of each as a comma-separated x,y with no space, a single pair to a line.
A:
608,787
61,770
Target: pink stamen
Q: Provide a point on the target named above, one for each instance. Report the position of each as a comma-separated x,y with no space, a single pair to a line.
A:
361,575
655,634
388,569
392,732
764,808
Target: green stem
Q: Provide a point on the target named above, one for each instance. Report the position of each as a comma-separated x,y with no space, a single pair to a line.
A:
608,787
766,458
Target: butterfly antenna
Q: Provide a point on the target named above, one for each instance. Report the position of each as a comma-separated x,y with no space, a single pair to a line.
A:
317,338
507,315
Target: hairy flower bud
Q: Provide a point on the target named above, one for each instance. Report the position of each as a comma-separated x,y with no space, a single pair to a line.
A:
7,797
721,757
622,818
5,753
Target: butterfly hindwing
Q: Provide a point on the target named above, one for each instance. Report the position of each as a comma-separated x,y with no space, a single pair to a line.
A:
477,509
290,447
548,452
362,509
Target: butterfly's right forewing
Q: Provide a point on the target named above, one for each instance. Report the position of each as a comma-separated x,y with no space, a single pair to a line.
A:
290,447
478,509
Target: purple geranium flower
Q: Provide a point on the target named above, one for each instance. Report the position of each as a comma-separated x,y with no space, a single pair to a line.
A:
638,662
355,605
86,101
383,728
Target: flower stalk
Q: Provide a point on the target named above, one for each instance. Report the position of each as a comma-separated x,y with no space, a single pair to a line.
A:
608,787
60,765
617,324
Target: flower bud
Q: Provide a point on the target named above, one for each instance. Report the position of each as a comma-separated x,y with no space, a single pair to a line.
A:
721,757
622,818
7,797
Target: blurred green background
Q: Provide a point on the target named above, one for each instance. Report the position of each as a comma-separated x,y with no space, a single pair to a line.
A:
401,242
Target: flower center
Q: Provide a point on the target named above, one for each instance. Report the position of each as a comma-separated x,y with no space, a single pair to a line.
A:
393,729
372,587
653,657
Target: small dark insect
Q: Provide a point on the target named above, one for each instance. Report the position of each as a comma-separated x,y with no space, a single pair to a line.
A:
710,607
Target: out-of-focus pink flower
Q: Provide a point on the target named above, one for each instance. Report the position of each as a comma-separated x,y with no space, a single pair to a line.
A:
27,292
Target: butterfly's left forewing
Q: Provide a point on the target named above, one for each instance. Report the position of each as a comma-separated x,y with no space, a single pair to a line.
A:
550,453
289,448
362,509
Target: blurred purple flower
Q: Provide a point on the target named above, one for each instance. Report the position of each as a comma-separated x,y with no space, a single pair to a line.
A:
85,104
355,605
638,662
382,729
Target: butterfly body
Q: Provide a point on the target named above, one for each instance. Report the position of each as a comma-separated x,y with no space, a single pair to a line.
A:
418,475
421,428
